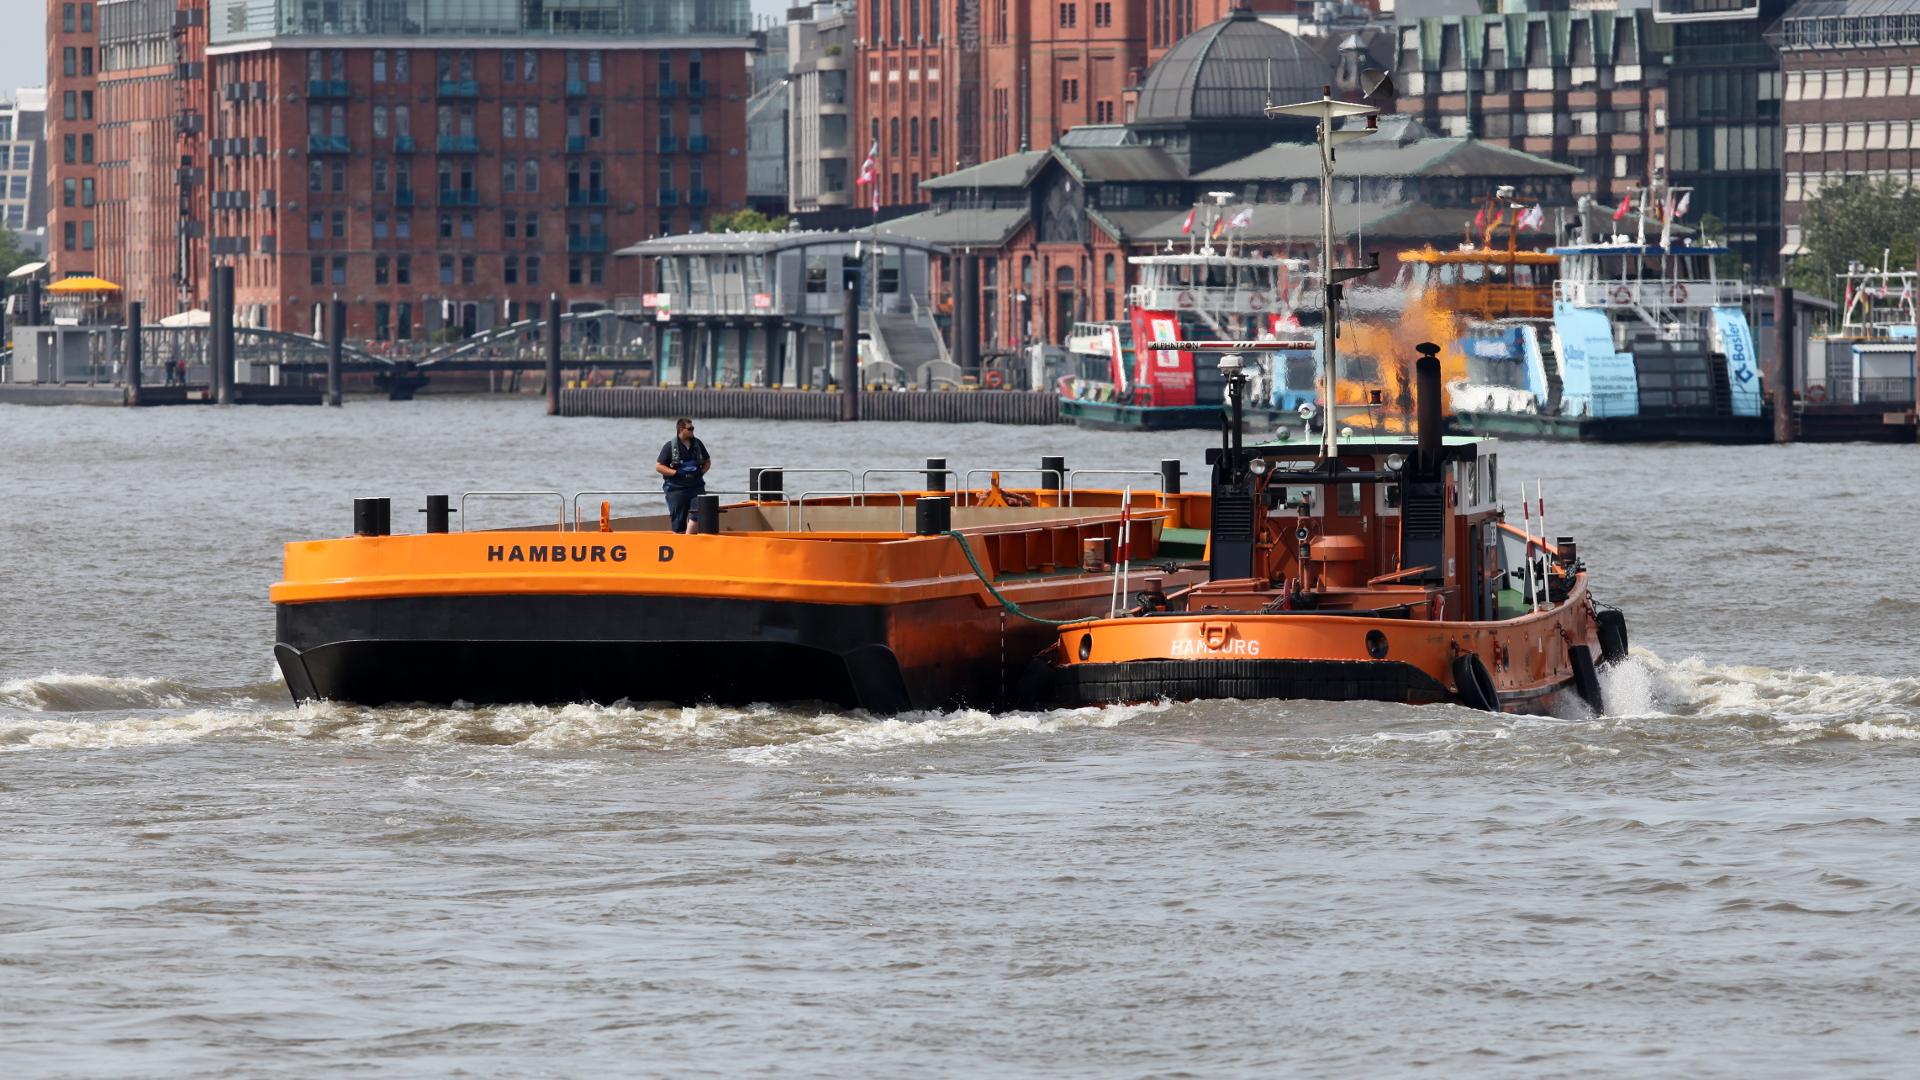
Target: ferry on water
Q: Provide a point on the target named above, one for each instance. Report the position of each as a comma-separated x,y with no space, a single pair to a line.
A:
1648,343
1860,375
1215,288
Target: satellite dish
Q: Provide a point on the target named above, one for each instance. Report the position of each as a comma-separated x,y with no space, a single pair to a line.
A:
1377,85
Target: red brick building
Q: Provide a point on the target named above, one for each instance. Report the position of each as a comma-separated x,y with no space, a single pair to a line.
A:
73,138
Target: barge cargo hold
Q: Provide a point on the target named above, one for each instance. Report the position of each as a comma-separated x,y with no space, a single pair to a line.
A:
837,599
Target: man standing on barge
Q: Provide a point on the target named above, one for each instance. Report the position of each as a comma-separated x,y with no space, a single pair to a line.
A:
684,463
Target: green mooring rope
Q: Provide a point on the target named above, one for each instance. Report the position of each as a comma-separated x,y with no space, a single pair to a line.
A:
967,550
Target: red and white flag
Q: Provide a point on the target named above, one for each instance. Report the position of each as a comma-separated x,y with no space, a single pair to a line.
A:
1533,218
1242,219
870,172
1680,208
1186,227
1626,205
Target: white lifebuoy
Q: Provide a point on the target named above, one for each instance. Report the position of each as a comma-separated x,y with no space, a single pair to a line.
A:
1678,293
1257,302
1185,299
1622,295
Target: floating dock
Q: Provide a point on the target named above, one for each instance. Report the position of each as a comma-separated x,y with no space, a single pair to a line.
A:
936,407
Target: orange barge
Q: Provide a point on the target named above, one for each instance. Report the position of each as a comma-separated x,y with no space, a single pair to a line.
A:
879,600
1373,568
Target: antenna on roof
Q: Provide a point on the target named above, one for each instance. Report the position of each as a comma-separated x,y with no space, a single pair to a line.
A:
1269,82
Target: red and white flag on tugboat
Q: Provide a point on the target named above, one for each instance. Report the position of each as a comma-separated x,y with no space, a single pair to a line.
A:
870,172
1680,208
1242,219
1626,205
1186,227
1532,217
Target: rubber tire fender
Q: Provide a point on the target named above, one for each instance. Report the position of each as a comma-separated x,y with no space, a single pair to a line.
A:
1473,684
1586,678
1612,626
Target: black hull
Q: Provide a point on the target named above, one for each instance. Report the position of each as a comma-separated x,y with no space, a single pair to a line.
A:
1252,680
545,649
1724,430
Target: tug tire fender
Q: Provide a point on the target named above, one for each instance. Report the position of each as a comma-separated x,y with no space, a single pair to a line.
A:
1612,627
1473,685
1586,678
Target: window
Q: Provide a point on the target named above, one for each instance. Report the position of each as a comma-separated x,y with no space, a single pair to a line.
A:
509,176
69,190
66,236
86,18
86,149
1069,14
316,174
382,269
66,18
67,109
86,191
403,275
316,225
466,269
339,225
69,61
532,232
466,226
86,104
509,224
402,226
593,122
379,121
379,174
509,120
510,270
339,269
1069,89
532,177
933,139
402,71
446,226
913,135
316,271
446,269
533,269
1103,14
379,65
337,176
67,152
382,315
893,136
529,65
509,67
380,221
574,276
402,120
530,121
86,61
593,65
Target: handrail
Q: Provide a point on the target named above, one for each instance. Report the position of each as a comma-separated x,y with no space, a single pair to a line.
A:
645,492
801,505
465,495
1076,474
911,472
785,472
1059,475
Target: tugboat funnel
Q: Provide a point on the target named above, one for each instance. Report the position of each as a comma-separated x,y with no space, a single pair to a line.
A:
1426,375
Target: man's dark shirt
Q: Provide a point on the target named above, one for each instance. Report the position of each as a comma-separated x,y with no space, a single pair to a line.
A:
685,462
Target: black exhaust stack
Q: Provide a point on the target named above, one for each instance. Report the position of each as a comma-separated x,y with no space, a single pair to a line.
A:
1423,513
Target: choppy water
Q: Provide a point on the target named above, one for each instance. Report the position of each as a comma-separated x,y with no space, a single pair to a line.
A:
1713,879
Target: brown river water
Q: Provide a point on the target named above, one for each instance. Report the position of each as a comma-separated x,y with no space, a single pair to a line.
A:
1716,878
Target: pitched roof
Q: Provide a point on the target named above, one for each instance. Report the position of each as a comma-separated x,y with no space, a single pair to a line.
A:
1390,157
1012,171
960,228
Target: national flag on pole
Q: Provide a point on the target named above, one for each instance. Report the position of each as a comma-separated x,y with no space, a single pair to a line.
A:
1186,227
1626,205
1219,226
1480,218
1533,218
1680,208
870,172
1242,219
1666,223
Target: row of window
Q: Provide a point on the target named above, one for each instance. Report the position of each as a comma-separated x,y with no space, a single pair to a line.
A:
454,269
1858,135
1846,84
909,29
77,105
76,61
67,150
462,65
83,190
1802,186
913,134
67,13
67,233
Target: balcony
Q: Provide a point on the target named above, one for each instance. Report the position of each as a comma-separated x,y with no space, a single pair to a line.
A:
328,144
586,196
459,197
327,88
403,197
576,88
668,88
459,144
458,88
576,144
669,144
669,197
697,197
696,144
403,144
586,245
696,88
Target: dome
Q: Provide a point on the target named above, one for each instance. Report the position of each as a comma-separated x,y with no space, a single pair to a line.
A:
1221,73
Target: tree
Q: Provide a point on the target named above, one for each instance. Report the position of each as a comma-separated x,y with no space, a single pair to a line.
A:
1855,221
747,221
13,252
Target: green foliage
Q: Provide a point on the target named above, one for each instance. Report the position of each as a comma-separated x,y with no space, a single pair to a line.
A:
746,221
1714,231
13,253
1855,221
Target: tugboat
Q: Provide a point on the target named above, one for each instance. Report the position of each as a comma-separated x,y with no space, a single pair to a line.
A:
1859,380
1362,568
881,600
1205,291
1649,343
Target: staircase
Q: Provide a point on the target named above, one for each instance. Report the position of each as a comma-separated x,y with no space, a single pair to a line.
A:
906,342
